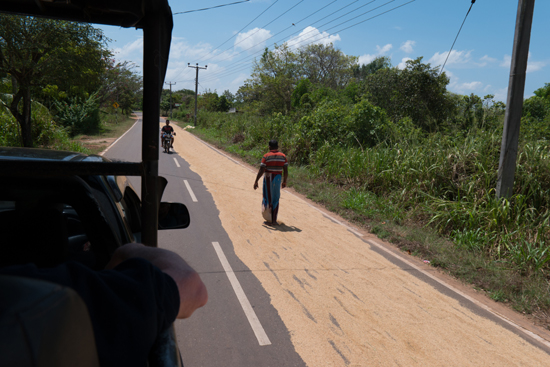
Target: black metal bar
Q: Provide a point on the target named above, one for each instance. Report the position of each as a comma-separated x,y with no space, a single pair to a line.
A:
150,128
16,167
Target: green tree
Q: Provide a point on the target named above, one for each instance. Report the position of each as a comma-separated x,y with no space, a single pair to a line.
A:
536,107
544,92
362,71
37,53
419,91
121,84
277,73
326,66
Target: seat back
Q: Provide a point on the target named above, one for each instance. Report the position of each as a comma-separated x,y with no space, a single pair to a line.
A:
43,324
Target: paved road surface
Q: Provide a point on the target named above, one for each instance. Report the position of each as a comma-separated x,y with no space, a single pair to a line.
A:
218,334
316,291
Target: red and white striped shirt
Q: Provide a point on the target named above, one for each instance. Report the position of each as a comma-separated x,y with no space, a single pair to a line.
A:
274,161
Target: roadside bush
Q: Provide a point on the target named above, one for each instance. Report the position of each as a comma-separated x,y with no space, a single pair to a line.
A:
181,115
79,116
9,129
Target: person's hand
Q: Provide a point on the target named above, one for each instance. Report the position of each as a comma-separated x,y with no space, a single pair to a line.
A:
283,185
192,291
255,185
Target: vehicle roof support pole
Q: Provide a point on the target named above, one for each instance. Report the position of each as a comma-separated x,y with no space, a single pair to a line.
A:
150,128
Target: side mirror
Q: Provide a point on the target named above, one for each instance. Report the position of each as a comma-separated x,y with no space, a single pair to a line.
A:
173,216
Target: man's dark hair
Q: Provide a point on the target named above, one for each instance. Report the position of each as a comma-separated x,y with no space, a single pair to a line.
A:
168,121
273,144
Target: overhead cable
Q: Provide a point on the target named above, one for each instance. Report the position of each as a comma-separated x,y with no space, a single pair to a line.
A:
212,7
249,23
210,77
334,12
464,21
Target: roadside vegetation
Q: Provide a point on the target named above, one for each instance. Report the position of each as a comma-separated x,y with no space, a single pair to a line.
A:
59,84
392,150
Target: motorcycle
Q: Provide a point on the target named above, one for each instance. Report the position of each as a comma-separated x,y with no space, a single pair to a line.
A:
166,142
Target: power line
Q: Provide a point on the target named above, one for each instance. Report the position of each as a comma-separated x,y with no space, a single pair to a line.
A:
249,23
211,77
202,57
316,29
464,21
212,7
292,7
334,12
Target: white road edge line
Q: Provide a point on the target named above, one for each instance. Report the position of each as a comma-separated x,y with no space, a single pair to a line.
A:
193,197
116,141
353,230
473,300
177,164
241,296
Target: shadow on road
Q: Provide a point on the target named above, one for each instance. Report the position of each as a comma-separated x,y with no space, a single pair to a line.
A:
281,227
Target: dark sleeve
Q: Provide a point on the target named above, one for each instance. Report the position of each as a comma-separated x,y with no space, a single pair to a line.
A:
129,305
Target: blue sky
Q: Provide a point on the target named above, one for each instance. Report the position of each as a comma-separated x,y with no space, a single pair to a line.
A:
479,63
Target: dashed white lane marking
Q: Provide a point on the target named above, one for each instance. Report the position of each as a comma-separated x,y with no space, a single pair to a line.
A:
241,296
177,164
193,197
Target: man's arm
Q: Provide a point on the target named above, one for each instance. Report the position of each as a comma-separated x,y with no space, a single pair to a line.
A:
285,176
192,290
258,176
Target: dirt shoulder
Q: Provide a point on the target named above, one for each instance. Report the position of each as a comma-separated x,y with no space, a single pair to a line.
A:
342,301
99,142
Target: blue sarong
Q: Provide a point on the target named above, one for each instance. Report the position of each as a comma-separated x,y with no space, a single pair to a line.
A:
271,195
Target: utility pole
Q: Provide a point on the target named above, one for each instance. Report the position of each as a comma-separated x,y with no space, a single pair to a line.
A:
514,102
197,67
170,83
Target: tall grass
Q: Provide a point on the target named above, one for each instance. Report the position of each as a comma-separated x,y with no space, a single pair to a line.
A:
444,180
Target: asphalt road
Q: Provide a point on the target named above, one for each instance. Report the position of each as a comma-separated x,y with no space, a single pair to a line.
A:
237,327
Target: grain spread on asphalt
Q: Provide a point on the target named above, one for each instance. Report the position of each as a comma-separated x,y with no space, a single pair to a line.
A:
344,304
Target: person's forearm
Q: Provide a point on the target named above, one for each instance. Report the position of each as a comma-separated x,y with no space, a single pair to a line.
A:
192,291
260,173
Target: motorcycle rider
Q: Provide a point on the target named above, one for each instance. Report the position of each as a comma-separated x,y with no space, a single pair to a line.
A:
168,130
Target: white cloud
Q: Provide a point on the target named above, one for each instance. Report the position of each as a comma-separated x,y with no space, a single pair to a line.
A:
470,86
535,66
501,94
132,51
456,57
311,35
253,40
408,46
506,61
380,51
403,63
486,58
531,65
180,48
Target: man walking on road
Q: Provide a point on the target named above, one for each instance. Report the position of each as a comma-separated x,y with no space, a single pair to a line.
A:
273,164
